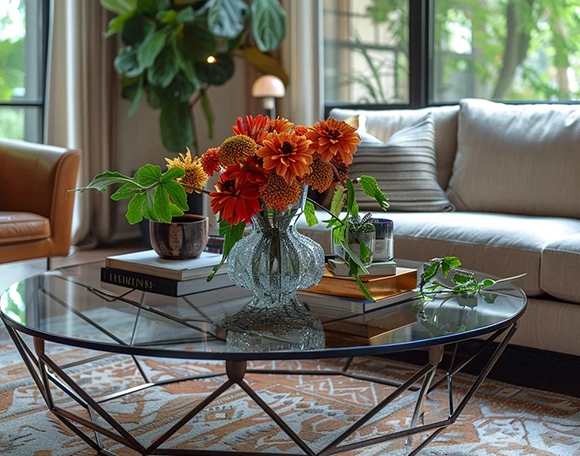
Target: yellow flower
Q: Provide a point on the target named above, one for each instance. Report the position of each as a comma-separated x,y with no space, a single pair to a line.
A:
277,193
235,149
321,176
195,178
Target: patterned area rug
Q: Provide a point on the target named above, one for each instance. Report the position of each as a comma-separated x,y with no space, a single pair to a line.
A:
501,419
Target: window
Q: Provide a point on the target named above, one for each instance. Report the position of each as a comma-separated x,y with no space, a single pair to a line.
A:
516,50
23,38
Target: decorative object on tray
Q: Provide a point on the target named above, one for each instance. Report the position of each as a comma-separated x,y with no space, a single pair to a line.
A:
361,240
384,240
182,239
265,168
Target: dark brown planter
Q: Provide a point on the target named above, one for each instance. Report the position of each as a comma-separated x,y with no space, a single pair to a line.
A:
182,239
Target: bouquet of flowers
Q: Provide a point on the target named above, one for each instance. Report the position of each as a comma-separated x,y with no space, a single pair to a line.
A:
263,168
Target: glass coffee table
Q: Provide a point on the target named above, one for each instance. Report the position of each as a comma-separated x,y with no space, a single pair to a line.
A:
71,307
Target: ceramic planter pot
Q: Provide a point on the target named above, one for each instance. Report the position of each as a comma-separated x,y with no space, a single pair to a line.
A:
182,239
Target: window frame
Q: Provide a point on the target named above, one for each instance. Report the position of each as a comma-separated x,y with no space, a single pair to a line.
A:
37,12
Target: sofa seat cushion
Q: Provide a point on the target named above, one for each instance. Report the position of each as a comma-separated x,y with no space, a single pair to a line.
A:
502,245
18,227
560,268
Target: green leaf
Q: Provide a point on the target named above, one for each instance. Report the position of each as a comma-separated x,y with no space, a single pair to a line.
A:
208,112
135,92
196,43
338,200
448,263
351,204
186,15
489,297
136,29
161,202
119,6
167,17
371,188
101,181
175,211
148,175
216,73
151,47
231,235
310,213
164,68
268,24
264,63
461,278
487,283
175,124
364,289
171,174
189,72
180,90
226,18
126,63
177,194
135,209
127,190
116,24
148,7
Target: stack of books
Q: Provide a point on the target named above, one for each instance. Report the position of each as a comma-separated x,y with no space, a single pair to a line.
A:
147,272
344,293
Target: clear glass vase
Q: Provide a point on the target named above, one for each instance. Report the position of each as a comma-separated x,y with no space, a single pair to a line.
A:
275,261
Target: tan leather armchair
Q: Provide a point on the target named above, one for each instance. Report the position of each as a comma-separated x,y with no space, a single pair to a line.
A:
35,205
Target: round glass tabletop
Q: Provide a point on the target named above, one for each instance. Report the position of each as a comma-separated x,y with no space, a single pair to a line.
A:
72,306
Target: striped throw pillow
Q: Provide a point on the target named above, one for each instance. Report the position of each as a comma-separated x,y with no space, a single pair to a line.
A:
404,168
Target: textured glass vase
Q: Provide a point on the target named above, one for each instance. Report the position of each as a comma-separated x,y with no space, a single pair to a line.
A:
275,261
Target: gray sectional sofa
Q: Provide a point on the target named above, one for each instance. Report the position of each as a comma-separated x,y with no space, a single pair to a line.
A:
510,175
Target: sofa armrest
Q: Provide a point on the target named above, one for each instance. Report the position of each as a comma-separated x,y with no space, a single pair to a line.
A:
36,178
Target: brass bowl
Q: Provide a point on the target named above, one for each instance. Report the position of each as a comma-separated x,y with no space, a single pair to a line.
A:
182,239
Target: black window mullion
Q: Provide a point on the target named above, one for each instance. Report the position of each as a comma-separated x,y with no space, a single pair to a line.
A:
420,52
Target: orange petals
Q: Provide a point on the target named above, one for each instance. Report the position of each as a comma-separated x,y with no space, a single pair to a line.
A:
286,153
333,137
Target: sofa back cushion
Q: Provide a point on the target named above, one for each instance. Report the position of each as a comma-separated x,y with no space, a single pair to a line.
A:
404,168
383,124
519,159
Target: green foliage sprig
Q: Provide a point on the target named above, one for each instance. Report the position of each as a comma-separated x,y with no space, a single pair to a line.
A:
463,283
343,210
154,195
167,45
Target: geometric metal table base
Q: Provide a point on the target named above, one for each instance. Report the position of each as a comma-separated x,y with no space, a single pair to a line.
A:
45,372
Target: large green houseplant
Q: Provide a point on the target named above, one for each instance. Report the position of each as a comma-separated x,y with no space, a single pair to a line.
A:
175,50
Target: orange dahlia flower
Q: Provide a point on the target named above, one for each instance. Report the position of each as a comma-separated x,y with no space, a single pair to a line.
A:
287,153
254,127
279,124
235,202
332,137
210,161
251,170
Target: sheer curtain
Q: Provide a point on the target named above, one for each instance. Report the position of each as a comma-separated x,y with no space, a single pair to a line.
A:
302,57
81,108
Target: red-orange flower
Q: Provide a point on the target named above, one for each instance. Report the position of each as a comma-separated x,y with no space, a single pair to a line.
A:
332,137
251,170
300,130
254,127
235,202
279,124
287,153
210,161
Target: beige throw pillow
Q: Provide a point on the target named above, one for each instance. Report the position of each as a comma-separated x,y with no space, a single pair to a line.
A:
404,168
519,159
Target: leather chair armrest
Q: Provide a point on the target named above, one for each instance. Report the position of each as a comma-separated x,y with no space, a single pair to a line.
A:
36,178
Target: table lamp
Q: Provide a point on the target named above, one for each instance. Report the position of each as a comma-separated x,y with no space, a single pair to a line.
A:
269,87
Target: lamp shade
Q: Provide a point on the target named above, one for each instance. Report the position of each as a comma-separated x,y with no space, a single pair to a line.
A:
268,85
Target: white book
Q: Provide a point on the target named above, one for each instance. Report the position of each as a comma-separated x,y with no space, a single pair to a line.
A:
148,262
359,306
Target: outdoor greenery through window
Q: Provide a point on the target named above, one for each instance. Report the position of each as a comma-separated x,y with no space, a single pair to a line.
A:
514,50
22,68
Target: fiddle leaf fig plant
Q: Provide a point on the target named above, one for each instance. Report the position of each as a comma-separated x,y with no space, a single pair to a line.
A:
175,50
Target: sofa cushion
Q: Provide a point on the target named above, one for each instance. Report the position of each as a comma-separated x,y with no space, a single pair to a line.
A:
561,267
384,123
519,159
497,244
404,168
18,227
